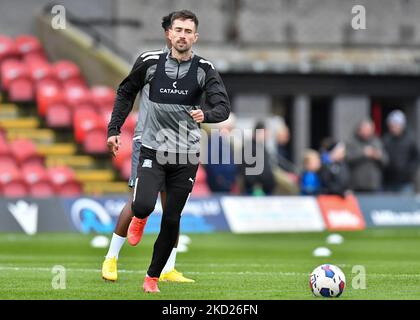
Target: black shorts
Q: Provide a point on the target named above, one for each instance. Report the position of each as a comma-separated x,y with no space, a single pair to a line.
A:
135,159
155,173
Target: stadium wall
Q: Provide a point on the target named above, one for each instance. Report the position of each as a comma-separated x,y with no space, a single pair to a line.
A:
97,63
237,214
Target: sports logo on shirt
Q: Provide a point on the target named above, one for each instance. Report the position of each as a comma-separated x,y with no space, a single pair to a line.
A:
147,163
174,91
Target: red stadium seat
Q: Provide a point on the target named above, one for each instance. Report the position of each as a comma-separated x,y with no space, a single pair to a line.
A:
25,152
125,170
33,173
59,116
12,70
67,72
7,160
83,121
26,44
35,57
77,96
95,139
12,182
7,48
125,150
47,95
41,71
201,189
130,123
38,181
64,181
74,82
21,90
105,113
102,96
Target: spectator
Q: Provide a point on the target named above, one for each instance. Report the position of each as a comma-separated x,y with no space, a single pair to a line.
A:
335,174
222,173
283,155
263,183
310,183
403,154
366,158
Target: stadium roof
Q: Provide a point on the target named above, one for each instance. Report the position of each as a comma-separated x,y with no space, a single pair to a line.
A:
311,60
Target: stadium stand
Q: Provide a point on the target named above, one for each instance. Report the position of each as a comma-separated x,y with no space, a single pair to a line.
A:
53,127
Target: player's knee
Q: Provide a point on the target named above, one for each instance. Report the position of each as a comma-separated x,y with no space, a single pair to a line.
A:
170,220
142,208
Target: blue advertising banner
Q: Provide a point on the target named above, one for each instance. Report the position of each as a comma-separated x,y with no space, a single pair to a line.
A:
100,214
390,210
33,215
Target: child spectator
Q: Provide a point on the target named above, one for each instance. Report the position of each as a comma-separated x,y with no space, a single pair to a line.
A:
310,183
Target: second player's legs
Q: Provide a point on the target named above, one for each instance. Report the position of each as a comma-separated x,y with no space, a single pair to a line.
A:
178,186
125,217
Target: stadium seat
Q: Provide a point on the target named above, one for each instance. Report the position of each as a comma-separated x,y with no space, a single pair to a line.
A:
12,182
67,72
130,123
95,139
106,113
64,181
102,97
41,72
59,115
26,44
21,90
78,97
47,95
35,57
83,121
201,189
11,70
125,150
125,170
7,49
38,181
6,159
25,152
16,80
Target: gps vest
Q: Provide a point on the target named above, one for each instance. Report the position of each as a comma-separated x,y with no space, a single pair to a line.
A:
181,91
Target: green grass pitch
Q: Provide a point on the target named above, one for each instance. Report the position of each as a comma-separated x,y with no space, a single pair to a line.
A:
224,265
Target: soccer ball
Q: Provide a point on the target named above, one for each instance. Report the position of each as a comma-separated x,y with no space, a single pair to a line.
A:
327,280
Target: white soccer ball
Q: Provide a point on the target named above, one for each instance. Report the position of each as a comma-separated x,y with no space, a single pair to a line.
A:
328,281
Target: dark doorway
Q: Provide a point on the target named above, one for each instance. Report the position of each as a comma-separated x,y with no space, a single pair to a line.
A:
320,120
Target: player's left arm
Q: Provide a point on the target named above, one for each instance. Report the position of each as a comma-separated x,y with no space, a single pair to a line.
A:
216,97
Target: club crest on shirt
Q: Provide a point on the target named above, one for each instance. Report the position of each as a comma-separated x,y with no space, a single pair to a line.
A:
147,163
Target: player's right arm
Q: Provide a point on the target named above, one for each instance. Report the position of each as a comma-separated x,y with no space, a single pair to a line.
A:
125,97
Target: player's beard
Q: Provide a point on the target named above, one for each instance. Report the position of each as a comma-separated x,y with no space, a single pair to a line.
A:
182,49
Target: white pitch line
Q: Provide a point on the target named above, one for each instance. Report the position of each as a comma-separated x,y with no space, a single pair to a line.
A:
143,271
291,274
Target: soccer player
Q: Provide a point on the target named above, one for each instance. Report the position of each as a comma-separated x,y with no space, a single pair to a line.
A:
109,266
171,134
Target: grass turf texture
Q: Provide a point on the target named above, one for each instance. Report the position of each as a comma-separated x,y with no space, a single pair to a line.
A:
224,265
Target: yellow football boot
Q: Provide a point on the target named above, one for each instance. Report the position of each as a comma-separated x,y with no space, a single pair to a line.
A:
109,269
174,276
